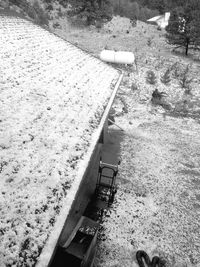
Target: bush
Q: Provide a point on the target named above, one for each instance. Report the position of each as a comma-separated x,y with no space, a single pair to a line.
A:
175,68
151,77
166,78
184,80
134,87
34,11
149,41
99,24
49,7
41,16
57,25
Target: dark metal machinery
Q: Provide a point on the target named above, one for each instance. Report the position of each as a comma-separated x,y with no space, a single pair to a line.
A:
79,249
106,182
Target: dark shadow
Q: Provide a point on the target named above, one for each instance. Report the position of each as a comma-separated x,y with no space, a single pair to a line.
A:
111,149
62,259
191,56
177,114
12,13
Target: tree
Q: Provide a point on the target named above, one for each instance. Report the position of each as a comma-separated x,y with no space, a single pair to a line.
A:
33,9
184,26
91,10
165,78
160,5
151,77
136,10
132,10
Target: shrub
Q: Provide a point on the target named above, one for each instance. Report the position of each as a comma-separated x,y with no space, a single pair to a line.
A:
49,7
34,11
134,87
151,77
57,25
149,41
184,80
41,17
188,91
175,69
98,24
166,78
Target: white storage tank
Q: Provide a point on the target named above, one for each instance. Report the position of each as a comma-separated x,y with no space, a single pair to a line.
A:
121,57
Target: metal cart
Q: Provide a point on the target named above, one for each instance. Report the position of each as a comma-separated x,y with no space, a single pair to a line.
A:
106,182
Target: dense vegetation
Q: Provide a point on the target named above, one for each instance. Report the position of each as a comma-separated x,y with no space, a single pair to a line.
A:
104,9
91,10
184,24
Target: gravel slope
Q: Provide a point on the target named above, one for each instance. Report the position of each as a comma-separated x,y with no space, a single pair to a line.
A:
157,205
158,201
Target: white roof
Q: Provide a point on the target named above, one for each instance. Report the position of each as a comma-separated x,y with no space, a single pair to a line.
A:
52,99
156,18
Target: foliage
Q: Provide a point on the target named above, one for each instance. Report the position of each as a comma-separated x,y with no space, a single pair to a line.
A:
182,75
165,79
160,5
34,11
132,10
149,41
64,3
158,95
184,26
184,79
41,16
126,8
175,70
134,86
151,77
91,10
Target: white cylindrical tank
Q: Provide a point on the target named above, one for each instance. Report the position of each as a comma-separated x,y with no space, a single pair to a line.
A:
120,57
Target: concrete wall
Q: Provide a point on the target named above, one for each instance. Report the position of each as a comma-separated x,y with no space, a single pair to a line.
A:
83,195
86,188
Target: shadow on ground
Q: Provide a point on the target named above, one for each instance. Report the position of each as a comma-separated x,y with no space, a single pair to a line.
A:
111,149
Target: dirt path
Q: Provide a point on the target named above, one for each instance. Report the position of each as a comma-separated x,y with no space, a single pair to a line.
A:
158,202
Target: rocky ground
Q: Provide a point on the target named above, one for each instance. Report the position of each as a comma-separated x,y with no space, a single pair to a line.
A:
158,201
157,204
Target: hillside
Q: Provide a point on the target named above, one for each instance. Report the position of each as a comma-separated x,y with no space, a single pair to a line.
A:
157,203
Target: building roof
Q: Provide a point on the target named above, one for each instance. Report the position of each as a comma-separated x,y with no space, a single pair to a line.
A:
53,98
154,19
161,20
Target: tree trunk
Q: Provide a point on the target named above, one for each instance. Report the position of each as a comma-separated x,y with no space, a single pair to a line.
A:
88,21
100,3
187,47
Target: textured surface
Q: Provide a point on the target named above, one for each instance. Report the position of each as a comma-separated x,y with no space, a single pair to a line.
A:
52,97
157,205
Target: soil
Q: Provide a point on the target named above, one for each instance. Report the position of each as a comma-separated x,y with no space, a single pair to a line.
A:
157,204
